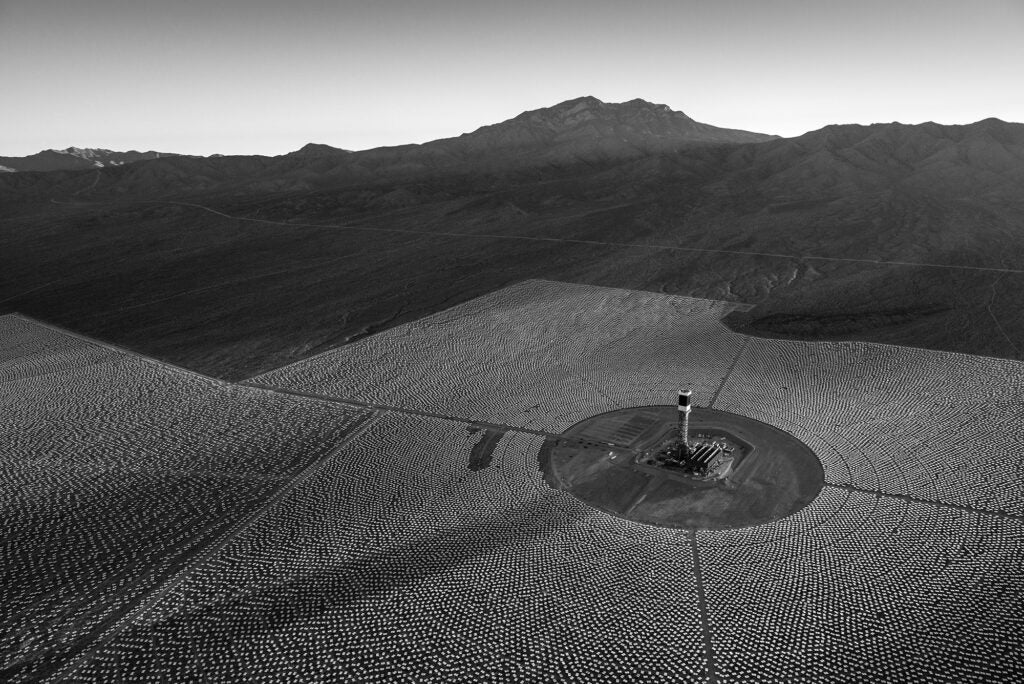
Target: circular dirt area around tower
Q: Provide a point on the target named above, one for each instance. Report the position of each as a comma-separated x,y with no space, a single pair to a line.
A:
605,462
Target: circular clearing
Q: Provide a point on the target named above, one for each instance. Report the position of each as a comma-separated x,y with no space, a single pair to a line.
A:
608,461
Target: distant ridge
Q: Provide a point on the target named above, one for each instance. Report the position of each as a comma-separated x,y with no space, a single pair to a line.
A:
986,157
317,150
76,158
583,129
983,157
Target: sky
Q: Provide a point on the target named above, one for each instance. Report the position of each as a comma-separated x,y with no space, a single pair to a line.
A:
268,76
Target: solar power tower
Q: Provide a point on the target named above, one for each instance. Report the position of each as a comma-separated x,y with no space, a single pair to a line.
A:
684,419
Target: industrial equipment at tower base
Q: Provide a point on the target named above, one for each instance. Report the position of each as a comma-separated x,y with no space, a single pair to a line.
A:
703,456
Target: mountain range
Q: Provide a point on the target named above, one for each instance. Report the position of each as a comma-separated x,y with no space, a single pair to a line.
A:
576,130
898,233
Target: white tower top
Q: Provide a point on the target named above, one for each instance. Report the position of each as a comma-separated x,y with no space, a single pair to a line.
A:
684,400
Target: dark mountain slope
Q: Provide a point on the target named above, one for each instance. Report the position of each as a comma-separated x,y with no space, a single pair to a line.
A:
985,156
888,233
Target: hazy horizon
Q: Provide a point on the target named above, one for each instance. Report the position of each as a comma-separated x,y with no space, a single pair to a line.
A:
265,77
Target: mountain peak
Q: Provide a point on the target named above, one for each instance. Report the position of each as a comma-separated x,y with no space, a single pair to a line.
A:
587,128
317,150
588,106
586,100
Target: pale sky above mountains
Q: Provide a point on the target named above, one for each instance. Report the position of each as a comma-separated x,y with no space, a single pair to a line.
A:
267,76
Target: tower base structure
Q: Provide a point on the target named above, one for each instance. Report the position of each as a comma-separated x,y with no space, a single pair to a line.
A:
701,458
705,456
737,472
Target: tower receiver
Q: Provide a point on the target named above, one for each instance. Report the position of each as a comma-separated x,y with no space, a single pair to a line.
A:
684,418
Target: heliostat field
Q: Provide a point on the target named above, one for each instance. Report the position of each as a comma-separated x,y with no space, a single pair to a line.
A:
117,473
905,564
429,547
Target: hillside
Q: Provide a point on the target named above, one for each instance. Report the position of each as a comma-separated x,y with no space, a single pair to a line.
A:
897,233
